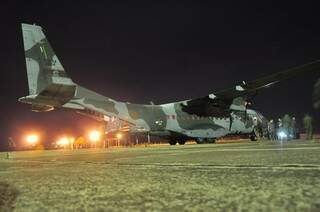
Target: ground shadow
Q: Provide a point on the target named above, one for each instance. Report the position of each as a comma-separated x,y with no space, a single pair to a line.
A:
8,195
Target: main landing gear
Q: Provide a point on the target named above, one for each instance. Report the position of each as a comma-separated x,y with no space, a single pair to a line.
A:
174,142
205,140
198,141
182,142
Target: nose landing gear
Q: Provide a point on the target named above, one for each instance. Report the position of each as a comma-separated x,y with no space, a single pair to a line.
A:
172,142
253,137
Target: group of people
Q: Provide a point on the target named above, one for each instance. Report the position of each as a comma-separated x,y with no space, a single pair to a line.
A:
286,129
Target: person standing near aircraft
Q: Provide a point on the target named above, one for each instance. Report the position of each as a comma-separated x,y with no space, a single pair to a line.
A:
293,131
307,123
271,130
286,122
279,128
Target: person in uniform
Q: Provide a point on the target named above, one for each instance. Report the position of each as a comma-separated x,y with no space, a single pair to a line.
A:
286,124
279,127
293,131
307,123
271,130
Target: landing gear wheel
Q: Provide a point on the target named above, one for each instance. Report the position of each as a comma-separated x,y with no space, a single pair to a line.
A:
211,141
181,142
255,135
172,142
200,141
253,138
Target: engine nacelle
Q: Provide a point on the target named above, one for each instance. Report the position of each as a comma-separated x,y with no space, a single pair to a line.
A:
41,108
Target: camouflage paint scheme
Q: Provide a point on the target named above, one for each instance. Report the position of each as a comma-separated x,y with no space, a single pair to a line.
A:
209,117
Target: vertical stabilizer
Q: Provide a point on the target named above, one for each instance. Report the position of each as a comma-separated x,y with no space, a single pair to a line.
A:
47,80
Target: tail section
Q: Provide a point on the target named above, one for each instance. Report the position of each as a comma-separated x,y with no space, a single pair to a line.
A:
49,85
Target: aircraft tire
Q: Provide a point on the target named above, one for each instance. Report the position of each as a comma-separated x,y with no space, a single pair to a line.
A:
253,138
199,141
172,142
181,142
211,141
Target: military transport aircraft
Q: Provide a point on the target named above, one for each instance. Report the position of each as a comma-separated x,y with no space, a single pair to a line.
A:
203,119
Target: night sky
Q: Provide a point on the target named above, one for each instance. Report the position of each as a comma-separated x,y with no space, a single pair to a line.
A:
161,52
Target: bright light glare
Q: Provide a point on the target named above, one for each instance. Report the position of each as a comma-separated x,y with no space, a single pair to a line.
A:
94,136
282,135
119,135
32,139
63,141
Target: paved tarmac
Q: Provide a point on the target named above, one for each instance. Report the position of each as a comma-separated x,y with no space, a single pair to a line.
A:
246,176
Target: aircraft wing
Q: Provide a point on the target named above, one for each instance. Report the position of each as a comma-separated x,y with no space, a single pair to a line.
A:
267,81
219,103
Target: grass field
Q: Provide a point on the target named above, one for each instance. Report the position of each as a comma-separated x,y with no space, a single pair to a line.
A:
260,176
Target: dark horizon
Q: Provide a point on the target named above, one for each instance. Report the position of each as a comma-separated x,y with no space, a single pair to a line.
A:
161,53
